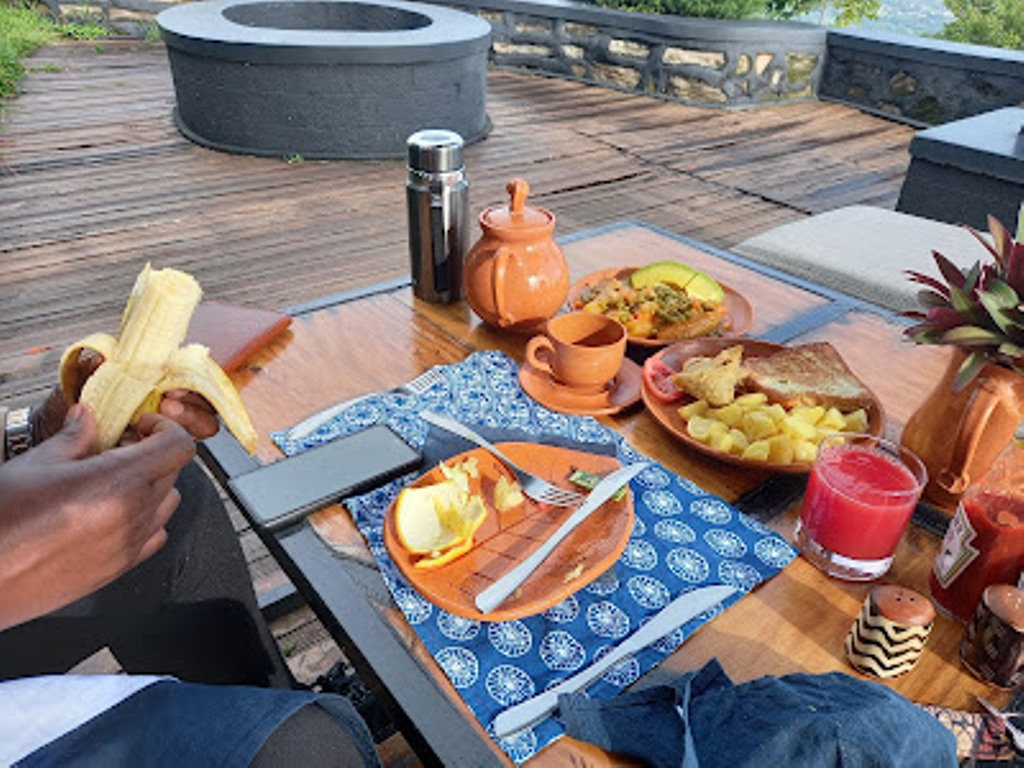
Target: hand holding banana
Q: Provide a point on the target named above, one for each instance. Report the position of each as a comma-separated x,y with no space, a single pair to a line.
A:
147,360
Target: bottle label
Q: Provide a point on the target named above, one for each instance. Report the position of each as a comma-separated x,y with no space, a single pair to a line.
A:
957,550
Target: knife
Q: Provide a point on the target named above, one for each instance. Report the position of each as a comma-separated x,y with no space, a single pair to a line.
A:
499,591
673,615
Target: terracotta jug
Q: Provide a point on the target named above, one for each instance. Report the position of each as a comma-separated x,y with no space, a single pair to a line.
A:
516,276
958,435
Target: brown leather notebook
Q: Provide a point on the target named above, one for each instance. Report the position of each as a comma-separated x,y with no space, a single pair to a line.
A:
234,332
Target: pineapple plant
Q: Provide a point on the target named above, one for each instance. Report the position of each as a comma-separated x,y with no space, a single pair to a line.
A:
981,310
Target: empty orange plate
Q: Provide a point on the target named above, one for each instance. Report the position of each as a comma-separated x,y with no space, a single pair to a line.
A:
505,538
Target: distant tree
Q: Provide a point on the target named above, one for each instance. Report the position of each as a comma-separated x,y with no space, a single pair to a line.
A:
986,22
847,12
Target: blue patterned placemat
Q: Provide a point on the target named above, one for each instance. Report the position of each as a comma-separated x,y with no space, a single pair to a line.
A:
682,538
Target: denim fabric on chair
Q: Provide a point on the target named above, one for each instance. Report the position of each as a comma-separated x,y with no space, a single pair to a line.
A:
797,720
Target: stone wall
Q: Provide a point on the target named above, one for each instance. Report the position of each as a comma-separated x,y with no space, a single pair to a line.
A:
919,80
722,63
696,61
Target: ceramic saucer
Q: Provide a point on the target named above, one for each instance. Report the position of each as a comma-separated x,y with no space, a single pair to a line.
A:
623,391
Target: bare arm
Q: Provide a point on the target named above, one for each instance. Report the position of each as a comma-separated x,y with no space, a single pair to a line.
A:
72,521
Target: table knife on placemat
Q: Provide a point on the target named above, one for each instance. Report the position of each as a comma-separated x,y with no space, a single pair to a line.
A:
675,614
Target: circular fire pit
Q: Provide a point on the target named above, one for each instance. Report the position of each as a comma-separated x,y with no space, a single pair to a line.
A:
324,78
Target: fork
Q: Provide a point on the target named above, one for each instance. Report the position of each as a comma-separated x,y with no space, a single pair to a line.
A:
417,386
1016,734
535,487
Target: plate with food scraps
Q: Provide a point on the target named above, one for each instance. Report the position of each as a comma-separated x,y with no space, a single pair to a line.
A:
756,404
512,527
609,291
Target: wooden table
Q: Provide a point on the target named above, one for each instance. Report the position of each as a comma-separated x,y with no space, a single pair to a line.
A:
796,622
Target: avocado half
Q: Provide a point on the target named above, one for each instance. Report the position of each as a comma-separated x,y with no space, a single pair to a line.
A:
696,284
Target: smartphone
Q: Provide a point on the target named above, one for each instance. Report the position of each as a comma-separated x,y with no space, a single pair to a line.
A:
282,493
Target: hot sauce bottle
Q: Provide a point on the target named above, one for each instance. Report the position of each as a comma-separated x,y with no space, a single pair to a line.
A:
984,543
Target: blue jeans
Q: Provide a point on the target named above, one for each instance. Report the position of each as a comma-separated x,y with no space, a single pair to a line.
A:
704,720
176,724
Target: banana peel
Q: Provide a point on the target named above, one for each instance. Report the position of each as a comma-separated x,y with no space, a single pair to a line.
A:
147,359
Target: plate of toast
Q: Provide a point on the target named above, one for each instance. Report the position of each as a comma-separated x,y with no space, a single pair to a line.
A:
757,404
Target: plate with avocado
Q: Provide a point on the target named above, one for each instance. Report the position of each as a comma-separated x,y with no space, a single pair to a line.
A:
664,302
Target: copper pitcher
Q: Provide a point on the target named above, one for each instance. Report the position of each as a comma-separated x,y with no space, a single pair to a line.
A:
957,435
516,276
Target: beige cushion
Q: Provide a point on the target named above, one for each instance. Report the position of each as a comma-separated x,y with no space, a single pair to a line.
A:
863,251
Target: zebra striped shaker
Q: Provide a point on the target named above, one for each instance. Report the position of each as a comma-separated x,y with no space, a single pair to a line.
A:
889,634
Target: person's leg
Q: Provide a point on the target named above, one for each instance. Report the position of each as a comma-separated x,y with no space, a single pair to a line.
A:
188,611
202,623
313,736
171,723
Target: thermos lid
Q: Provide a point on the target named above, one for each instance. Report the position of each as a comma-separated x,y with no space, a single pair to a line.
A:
436,150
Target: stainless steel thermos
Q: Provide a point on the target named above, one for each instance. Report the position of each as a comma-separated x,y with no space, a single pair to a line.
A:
437,195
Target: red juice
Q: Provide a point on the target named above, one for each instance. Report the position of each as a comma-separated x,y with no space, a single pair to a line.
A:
858,502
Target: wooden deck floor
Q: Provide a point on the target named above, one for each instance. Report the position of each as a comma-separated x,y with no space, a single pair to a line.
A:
95,180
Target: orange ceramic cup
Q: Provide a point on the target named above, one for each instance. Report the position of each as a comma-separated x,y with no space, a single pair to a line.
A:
582,350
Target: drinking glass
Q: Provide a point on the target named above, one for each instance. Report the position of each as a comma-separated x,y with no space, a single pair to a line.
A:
860,495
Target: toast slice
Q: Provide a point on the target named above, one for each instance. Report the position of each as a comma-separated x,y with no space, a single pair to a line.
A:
809,374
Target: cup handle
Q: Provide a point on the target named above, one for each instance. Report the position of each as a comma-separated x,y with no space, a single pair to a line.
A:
539,350
954,478
501,259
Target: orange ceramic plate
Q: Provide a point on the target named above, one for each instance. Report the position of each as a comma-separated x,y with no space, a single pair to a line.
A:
667,414
506,538
739,312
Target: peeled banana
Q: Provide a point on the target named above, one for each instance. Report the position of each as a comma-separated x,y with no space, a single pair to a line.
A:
147,359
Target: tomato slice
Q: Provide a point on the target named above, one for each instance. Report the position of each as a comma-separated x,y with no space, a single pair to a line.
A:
658,378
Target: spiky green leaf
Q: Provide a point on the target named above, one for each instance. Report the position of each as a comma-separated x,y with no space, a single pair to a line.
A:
1001,240
1016,314
997,298
972,277
961,302
1011,350
974,362
972,336
923,335
949,271
929,299
931,282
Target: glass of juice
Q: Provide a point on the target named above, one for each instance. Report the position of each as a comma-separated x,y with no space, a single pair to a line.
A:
860,495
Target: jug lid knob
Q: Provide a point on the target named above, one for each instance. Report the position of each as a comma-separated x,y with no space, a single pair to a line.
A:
517,215
518,189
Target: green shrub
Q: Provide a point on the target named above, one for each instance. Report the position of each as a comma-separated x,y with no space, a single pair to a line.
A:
22,30
712,9
843,13
998,23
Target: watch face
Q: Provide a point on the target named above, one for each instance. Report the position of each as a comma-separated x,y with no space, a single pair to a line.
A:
18,431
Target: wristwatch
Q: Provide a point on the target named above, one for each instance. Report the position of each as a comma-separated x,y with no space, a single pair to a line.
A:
18,436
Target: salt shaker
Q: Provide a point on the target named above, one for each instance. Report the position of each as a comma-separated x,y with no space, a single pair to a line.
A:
437,197
889,634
